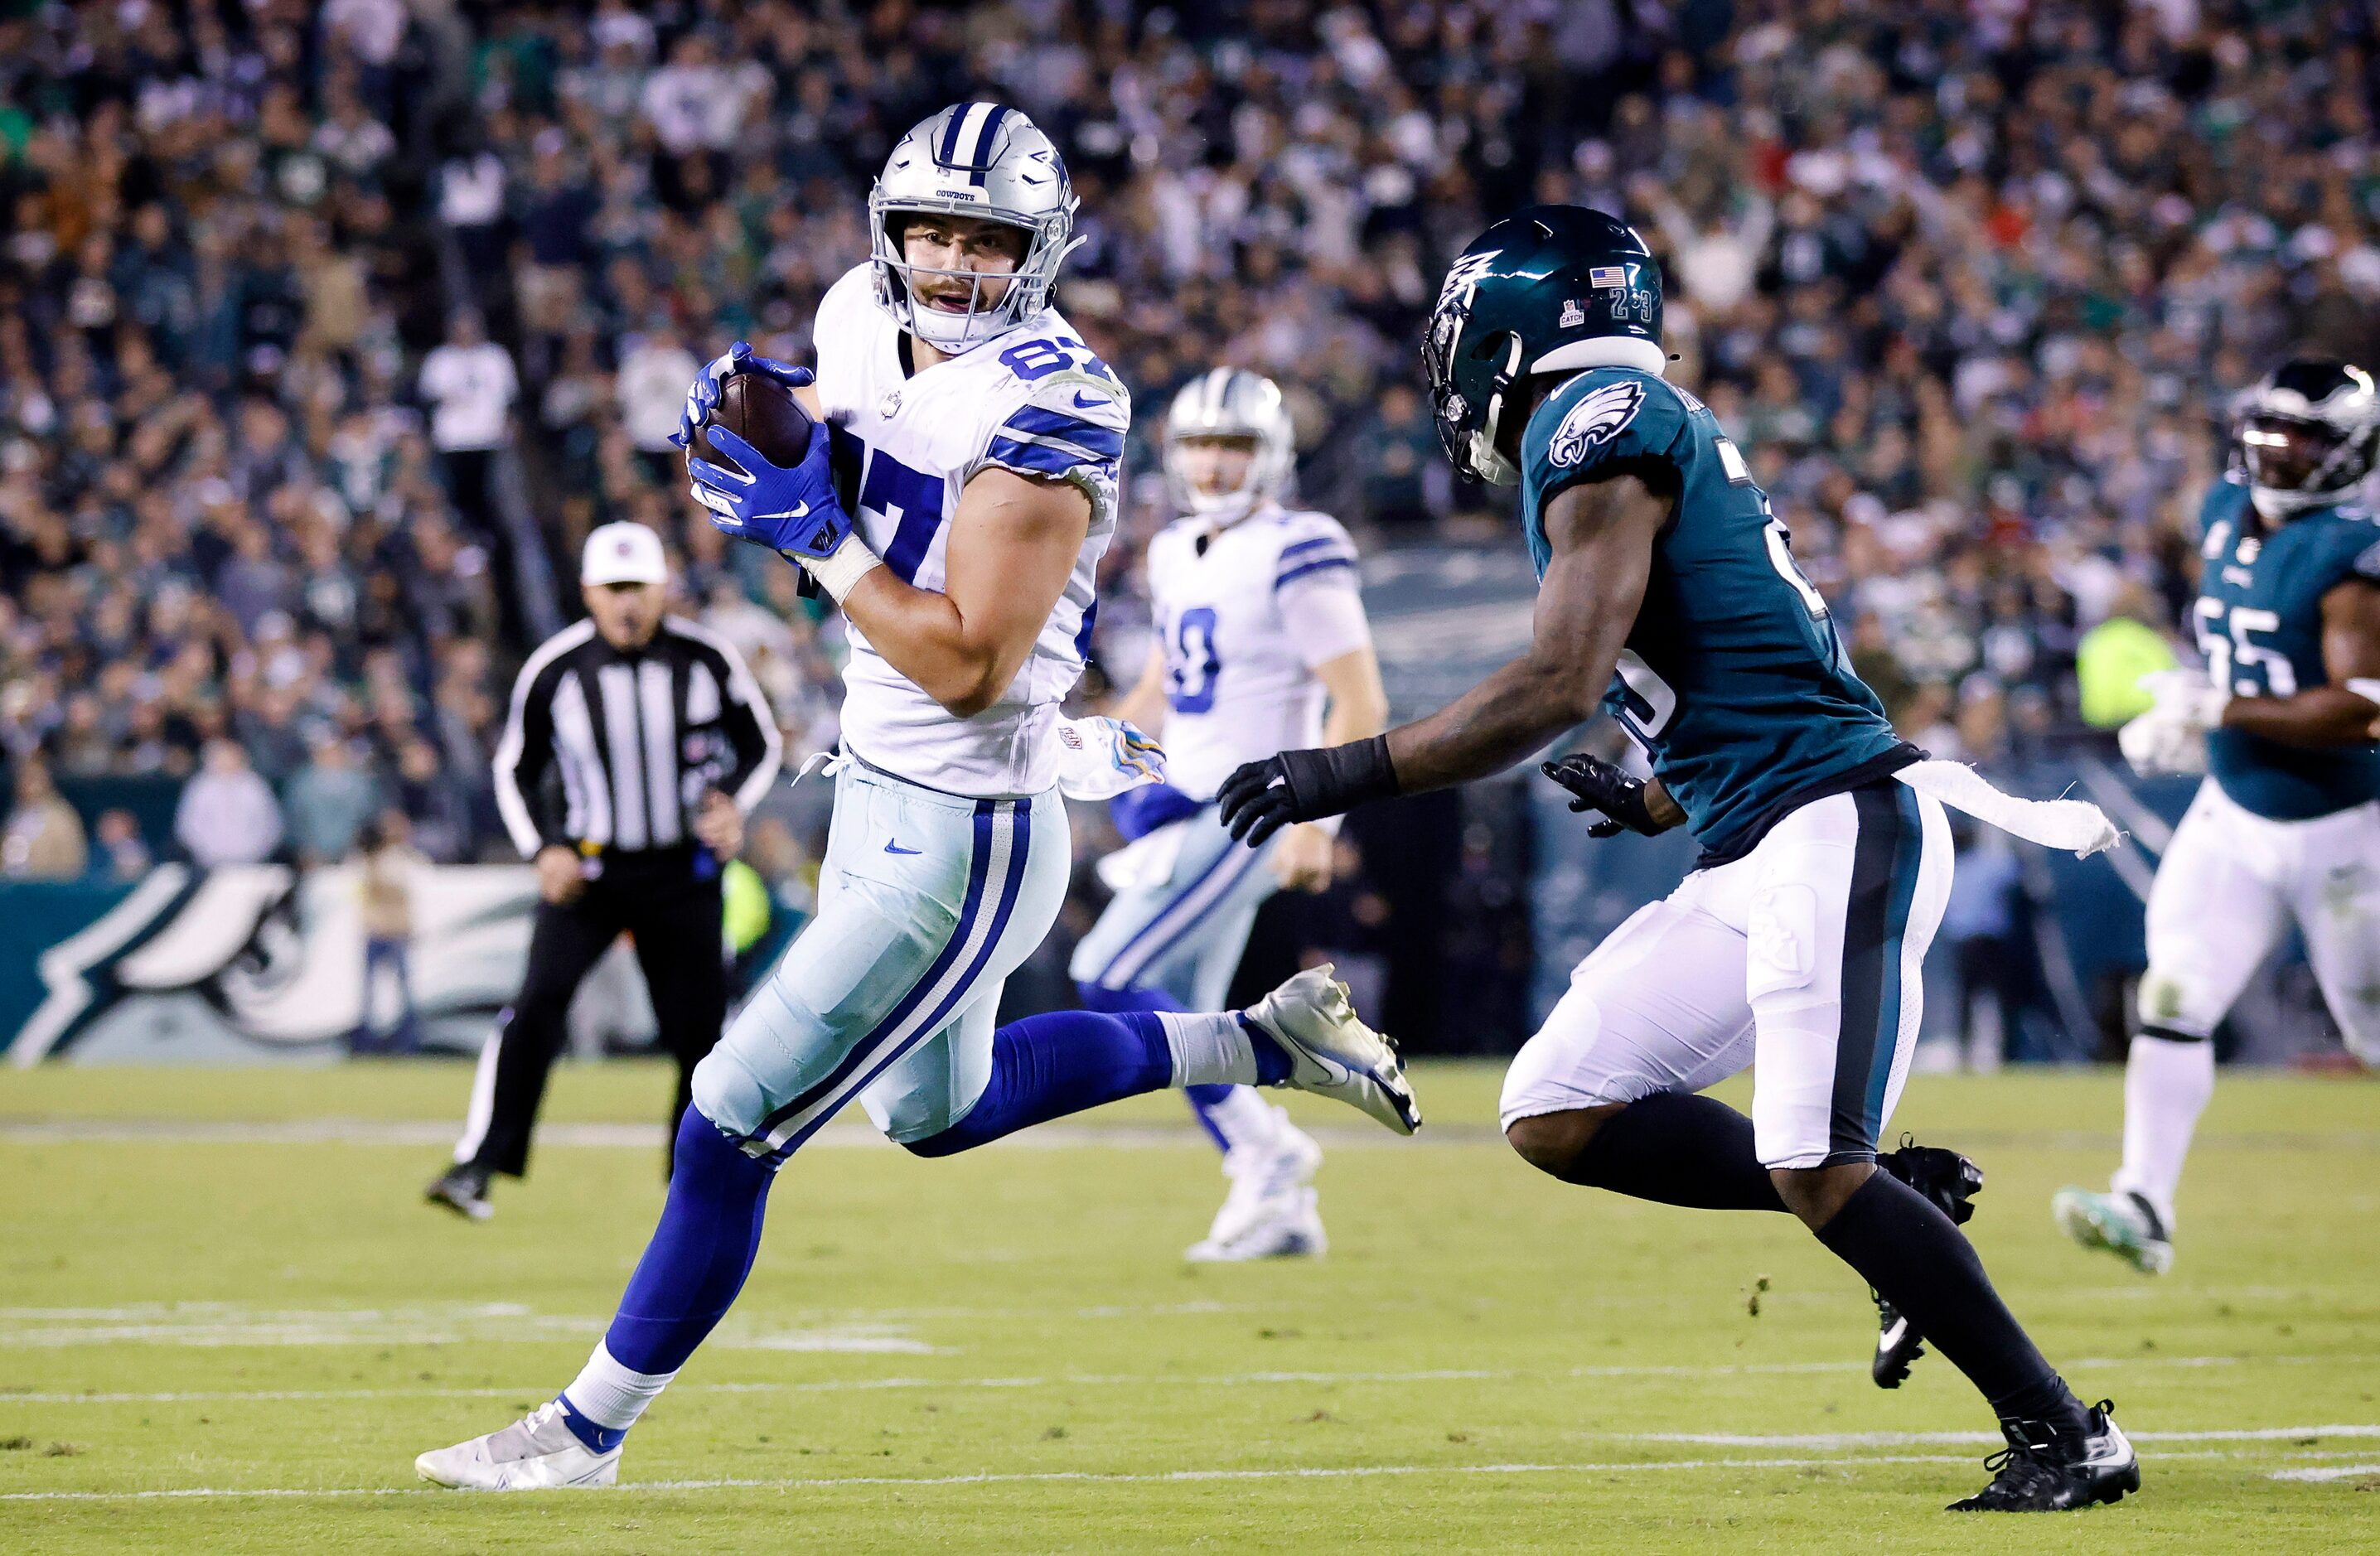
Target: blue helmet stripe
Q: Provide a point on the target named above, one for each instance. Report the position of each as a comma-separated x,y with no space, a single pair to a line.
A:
981,156
948,155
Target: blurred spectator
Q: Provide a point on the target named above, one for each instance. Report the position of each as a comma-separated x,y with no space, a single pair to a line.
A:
227,814
653,375
328,801
387,874
470,387
123,854
43,839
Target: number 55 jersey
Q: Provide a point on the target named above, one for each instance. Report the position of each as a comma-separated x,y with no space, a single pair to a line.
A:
1733,679
1035,400
2258,621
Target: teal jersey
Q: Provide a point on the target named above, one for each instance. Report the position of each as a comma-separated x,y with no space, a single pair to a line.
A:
1733,680
2259,625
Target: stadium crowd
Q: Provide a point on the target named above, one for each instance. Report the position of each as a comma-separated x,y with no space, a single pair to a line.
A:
282,285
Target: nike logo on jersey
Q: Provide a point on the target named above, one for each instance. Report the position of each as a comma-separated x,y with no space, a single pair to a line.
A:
893,846
1096,402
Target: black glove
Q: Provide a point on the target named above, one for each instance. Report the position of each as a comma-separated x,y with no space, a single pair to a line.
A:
1261,797
1599,785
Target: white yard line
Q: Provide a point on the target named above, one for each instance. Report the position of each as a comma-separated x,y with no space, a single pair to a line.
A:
2327,1472
824,1483
1905,1440
1230,1380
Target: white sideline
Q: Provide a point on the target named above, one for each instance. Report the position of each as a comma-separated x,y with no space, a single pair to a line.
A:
1217,1380
1119,1478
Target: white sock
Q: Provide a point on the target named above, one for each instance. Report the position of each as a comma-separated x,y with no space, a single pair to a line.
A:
2166,1085
611,1395
1208,1050
1246,1121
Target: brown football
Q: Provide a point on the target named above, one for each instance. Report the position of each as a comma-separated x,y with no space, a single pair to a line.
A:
764,413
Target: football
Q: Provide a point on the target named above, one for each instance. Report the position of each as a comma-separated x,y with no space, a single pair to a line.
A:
764,413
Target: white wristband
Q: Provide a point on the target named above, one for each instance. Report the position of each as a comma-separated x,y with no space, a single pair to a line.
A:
840,570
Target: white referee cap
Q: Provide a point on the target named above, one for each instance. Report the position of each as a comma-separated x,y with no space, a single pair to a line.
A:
622,552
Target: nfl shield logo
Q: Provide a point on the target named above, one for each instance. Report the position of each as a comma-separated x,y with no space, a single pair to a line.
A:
1573,316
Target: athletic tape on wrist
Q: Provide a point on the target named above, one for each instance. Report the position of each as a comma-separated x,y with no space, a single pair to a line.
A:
840,570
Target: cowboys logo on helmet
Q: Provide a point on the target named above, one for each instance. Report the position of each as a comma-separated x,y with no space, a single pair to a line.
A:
985,161
1230,403
1553,288
2308,435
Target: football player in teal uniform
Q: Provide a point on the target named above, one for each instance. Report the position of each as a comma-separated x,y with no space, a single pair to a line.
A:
1668,595
2285,829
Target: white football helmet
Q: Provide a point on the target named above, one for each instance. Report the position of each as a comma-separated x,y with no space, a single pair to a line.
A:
974,159
1230,403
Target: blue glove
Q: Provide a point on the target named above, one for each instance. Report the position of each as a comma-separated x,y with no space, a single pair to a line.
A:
702,398
795,511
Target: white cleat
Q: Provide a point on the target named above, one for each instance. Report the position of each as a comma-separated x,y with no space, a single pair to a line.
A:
536,1454
1289,1227
1269,1213
1333,1054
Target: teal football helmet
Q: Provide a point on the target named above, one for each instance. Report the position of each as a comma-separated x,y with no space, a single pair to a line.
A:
1553,288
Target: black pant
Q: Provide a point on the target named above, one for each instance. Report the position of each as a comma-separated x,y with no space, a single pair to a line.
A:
676,922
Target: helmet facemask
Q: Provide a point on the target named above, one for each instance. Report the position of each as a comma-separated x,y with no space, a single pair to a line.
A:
2294,465
2308,436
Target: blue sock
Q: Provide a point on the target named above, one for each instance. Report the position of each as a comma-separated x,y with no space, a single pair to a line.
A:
699,1255
1047,1066
1203,1098
599,1440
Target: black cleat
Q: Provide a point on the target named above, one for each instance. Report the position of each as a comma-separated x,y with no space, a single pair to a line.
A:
2048,1469
462,1190
1951,1182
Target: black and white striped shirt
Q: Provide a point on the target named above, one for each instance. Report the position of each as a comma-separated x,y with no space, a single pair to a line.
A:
615,749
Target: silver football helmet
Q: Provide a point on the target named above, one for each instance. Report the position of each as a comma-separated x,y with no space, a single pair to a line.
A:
1230,403
2309,435
982,160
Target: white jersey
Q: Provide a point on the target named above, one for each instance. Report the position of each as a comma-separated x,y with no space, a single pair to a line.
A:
1243,614
1034,399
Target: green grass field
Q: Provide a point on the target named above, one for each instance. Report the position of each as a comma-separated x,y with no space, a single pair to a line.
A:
227,1324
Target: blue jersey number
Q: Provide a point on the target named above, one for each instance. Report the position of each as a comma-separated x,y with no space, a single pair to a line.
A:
912,500
1193,665
1039,358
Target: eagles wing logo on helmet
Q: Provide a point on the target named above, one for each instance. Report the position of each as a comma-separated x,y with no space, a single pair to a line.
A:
1602,416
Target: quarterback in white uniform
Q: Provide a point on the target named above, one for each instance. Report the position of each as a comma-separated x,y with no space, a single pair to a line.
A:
955,508
1259,620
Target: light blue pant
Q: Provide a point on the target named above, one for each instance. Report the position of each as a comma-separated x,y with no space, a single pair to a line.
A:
926,902
1185,935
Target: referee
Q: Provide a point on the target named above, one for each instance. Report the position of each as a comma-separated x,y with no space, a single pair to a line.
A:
634,745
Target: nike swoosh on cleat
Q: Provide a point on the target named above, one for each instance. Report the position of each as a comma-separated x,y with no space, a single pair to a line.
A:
893,848
1892,1336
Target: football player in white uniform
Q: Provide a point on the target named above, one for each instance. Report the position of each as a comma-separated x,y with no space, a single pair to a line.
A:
956,512
1259,619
